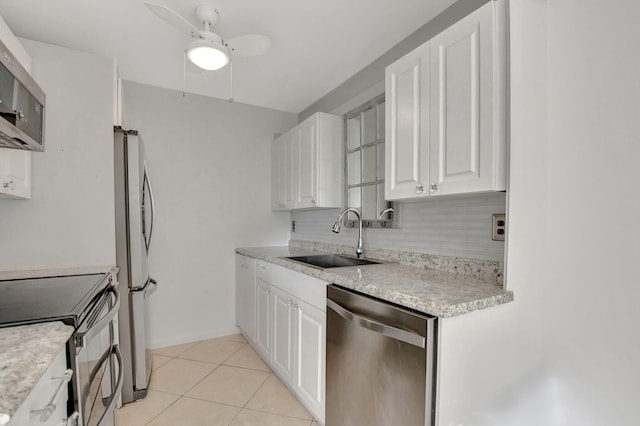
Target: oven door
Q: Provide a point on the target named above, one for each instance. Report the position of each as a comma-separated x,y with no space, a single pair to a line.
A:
98,362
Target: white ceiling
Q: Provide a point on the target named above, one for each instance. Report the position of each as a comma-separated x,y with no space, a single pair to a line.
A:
317,44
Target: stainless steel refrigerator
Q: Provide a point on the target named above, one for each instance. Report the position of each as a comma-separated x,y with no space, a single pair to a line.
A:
134,231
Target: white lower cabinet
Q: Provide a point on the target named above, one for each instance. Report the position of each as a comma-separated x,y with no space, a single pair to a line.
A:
284,325
263,318
310,354
246,296
291,329
46,405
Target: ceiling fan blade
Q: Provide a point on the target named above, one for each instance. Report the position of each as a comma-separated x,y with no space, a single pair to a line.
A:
249,44
173,19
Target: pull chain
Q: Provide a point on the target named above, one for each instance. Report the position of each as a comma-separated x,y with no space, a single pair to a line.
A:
231,82
184,73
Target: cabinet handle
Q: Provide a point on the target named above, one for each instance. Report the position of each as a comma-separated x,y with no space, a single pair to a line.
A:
45,413
313,201
433,187
419,189
9,185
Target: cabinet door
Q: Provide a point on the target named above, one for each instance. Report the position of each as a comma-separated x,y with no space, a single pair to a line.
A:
246,296
284,333
40,397
283,171
263,318
465,74
407,136
310,348
307,164
277,174
15,173
290,166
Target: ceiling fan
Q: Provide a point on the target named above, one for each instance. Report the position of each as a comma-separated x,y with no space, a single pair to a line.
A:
209,51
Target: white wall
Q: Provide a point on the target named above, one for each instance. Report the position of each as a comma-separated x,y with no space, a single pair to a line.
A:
593,342
565,351
210,165
70,219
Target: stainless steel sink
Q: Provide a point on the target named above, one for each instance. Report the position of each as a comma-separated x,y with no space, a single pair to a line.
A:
331,260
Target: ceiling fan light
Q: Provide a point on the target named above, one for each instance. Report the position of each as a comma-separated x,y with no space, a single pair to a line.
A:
208,55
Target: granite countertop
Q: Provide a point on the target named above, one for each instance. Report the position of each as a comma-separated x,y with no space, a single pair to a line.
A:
439,293
25,353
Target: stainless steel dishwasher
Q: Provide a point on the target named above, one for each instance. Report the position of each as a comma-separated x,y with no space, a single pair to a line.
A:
381,362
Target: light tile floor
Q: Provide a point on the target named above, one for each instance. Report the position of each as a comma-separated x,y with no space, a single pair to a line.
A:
215,382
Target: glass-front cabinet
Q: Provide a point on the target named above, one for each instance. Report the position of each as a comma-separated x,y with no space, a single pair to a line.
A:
364,146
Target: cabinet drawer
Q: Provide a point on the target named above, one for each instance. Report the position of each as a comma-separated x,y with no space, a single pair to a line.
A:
302,286
263,271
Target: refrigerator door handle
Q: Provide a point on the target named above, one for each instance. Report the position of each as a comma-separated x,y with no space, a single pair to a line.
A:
147,185
146,287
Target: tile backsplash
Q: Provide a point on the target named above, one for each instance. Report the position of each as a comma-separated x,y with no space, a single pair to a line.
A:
457,227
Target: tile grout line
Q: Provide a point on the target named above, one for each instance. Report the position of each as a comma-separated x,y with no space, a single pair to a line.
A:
244,345
211,372
167,407
184,394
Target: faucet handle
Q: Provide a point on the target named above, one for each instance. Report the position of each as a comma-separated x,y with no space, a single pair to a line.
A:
385,211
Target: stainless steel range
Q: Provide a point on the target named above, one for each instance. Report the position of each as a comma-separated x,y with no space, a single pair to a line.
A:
89,303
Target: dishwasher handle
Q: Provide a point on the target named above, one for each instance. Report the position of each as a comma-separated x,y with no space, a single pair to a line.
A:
373,325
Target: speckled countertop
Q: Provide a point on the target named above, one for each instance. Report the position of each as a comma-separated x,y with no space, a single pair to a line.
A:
439,293
25,353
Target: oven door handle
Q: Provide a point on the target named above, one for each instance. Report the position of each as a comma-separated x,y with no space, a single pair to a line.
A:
82,337
110,403
375,326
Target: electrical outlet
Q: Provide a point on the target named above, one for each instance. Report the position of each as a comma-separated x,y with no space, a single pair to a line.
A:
293,226
499,227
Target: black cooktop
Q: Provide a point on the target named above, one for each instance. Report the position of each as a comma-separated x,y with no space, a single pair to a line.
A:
65,298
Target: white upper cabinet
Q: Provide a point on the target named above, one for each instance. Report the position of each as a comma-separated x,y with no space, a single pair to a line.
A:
407,121
307,165
446,113
307,160
282,172
15,165
277,174
15,174
467,138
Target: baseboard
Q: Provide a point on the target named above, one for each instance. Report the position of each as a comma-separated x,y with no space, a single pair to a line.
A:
178,340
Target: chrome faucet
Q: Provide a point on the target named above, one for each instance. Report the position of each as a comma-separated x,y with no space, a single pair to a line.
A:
336,228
